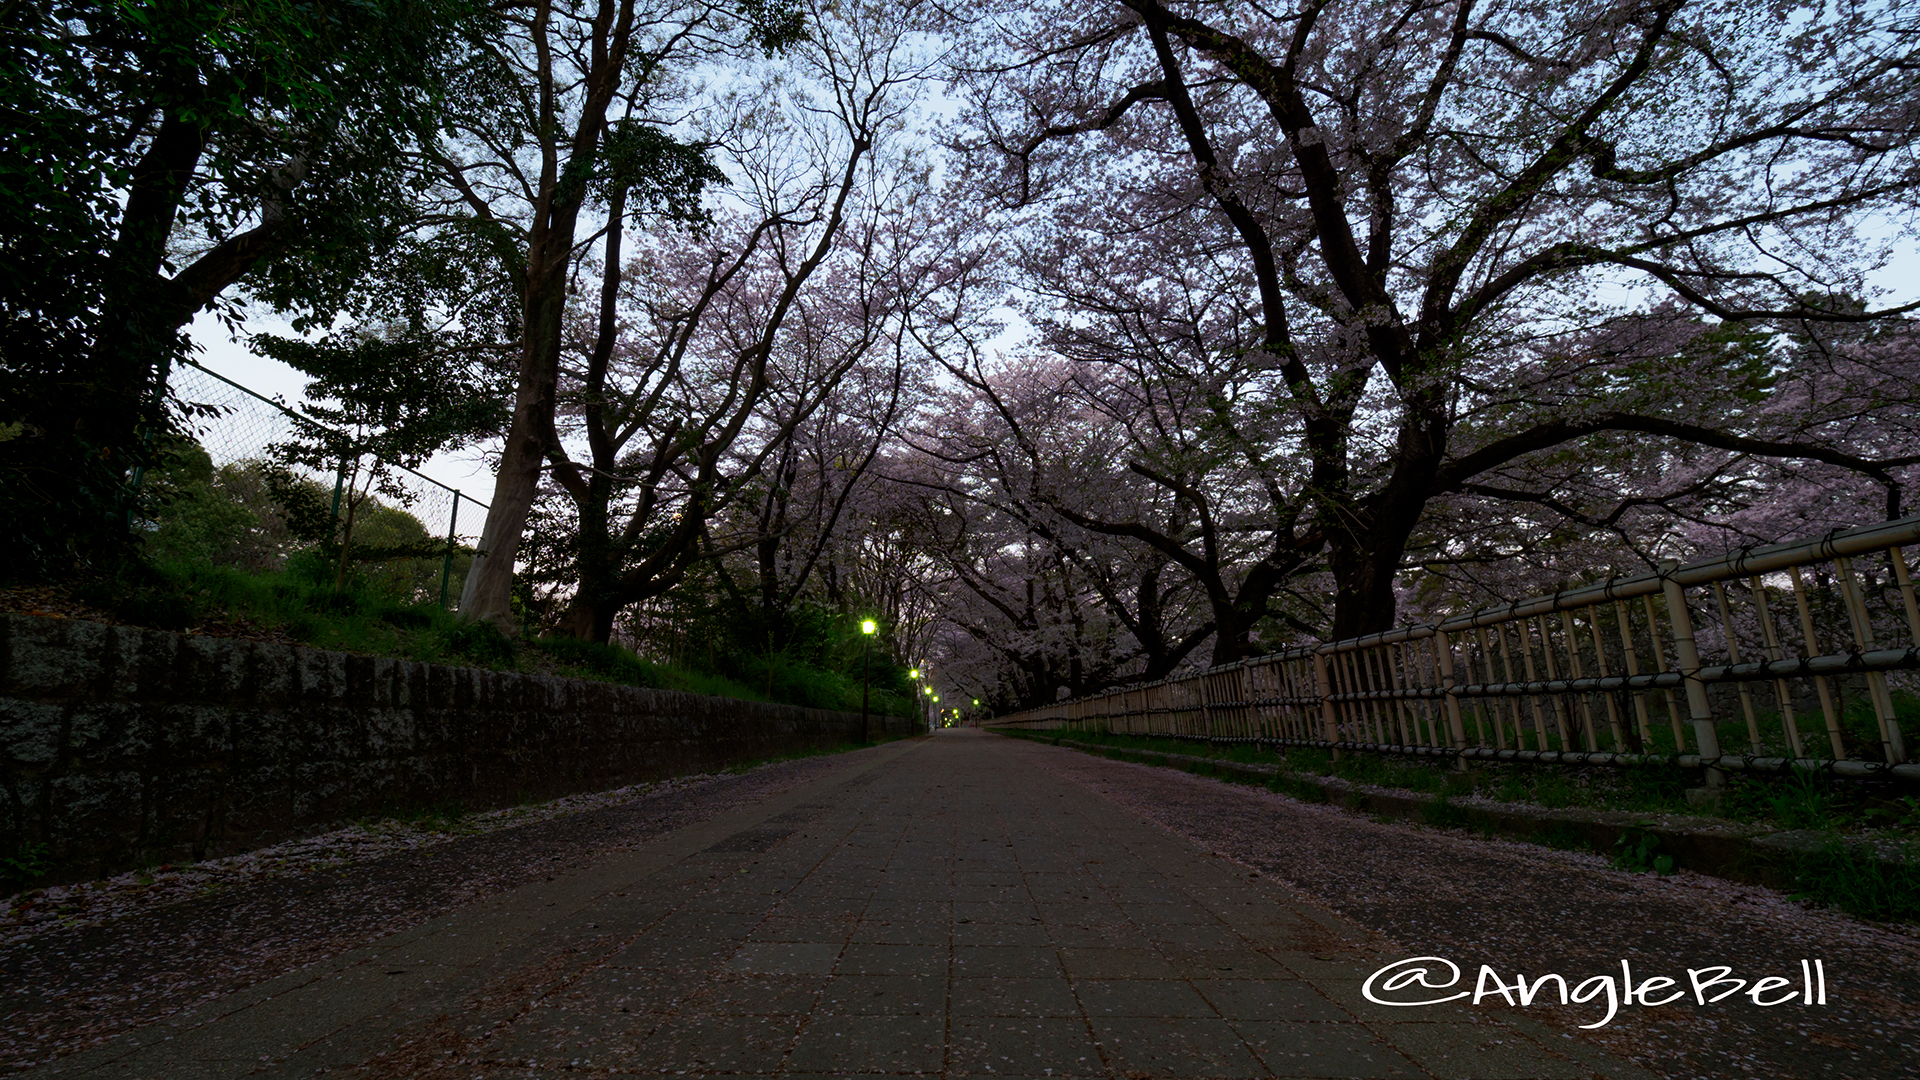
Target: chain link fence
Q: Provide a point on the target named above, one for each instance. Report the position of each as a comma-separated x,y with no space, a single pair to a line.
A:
406,528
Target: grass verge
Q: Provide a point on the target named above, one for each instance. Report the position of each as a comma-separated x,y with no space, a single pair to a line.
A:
303,603
1845,872
1792,801
1862,886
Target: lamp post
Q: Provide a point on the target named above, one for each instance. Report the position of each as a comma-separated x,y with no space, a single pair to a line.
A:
867,628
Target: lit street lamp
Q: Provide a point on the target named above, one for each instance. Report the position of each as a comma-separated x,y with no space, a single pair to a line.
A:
867,629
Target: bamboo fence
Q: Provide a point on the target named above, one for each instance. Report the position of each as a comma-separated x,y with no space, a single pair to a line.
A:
1800,655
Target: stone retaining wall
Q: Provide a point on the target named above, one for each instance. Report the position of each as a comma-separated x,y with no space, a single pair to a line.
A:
122,747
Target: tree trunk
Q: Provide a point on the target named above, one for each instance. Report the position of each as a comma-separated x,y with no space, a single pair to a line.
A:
591,612
589,619
135,329
1365,563
1365,555
488,592
1232,628
1363,600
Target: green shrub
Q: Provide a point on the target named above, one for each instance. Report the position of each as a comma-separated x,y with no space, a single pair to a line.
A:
1638,849
22,867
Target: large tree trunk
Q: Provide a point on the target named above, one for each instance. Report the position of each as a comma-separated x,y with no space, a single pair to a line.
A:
488,592
595,602
588,618
1363,601
136,329
1365,556
1231,629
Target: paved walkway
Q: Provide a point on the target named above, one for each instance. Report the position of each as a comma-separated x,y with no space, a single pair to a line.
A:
941,910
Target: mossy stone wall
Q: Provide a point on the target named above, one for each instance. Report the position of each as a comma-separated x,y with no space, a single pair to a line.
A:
122,747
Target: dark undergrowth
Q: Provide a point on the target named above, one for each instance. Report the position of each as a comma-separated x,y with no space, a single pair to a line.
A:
1798,800
1866,887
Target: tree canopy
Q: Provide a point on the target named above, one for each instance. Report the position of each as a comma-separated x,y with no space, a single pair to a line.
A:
1078,343
1322,269
161,153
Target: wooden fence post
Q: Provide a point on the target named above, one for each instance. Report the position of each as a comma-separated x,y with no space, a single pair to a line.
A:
1326,702
1443,653
1706,738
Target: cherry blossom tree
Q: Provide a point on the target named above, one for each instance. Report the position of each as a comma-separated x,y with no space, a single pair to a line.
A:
587,127
1619,504
775,555
1064,605
1333,267
697,385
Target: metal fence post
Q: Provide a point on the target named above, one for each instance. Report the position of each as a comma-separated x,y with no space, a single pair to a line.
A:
1706,738
446,565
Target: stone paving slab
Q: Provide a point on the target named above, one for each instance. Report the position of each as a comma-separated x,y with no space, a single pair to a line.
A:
942,910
